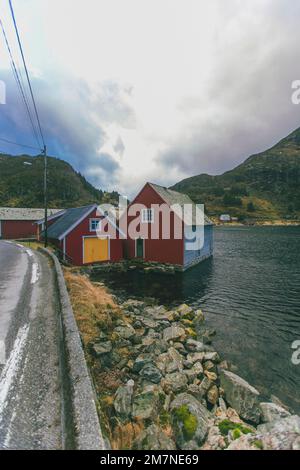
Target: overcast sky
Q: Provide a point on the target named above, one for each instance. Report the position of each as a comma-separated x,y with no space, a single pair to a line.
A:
154,90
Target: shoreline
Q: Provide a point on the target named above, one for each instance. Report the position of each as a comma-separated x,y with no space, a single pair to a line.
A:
162,385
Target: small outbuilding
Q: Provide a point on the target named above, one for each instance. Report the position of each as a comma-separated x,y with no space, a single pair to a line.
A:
19,222
158,246
77,233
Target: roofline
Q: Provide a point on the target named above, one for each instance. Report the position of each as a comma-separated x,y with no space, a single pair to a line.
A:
61,237
95,206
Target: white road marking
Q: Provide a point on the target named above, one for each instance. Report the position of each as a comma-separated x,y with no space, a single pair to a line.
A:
9,431
11,366
29,252
2,352
19,245
35,273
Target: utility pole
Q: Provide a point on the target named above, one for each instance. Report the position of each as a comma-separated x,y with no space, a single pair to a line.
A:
45,198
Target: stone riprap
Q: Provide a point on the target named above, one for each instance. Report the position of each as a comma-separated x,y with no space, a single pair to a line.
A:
175,389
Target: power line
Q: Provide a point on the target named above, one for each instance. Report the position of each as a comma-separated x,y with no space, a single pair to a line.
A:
19,83
19,145
26,71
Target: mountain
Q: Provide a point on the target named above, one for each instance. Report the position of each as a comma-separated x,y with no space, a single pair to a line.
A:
266,186
21,184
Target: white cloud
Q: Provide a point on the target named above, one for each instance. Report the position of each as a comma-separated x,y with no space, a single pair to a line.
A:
176,87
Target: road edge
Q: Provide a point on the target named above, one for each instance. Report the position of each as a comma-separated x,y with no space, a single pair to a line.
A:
87,429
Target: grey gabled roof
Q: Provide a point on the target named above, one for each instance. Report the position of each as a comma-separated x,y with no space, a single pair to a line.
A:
174,197
22,213
69,220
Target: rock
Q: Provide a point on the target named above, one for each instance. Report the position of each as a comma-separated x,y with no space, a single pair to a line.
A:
271,412
211,375
212,356
241,396
101,348
125,332
205,385
195,357
145,405
132,304
195,372
194,390
175,382
199,318
175,361
291,424
151,372
140,362
222,404
185,311
153,438
282,434
148,322
214,440
209,365
213,395
173,332
190,421
123,400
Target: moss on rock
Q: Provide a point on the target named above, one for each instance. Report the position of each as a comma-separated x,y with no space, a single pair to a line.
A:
187,420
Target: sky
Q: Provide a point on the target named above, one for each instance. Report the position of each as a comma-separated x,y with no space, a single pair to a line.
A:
130,91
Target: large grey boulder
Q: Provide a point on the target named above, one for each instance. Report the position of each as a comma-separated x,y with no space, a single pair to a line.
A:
145,405
282,434
123,400
153,438
241,396
125,332
175,382
272,412
140,362
190,421
151,372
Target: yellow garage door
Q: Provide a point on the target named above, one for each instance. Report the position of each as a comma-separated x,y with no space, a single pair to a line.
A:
95,249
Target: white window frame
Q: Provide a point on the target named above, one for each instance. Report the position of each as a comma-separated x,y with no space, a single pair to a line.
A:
145,216
91,221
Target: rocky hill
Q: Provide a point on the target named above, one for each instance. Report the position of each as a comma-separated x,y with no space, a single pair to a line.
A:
21,183
266,186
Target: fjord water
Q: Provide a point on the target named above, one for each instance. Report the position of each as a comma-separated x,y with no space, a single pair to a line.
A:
250,293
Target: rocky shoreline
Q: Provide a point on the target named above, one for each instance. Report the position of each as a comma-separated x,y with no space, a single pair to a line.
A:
172,390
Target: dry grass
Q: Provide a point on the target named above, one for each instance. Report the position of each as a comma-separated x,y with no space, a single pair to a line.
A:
93,306
125,434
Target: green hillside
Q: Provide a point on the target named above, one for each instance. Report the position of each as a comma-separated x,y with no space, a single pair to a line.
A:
21,185
265,187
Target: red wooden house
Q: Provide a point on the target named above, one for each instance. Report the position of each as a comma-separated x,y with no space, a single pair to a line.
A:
157,248
83,236
19,222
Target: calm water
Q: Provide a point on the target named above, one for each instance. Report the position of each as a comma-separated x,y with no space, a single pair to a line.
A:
250,292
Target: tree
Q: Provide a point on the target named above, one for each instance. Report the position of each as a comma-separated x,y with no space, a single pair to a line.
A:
250,207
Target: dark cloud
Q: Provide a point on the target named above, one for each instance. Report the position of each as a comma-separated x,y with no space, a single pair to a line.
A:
73,119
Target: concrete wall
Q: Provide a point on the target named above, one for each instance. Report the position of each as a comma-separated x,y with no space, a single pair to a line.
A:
79,401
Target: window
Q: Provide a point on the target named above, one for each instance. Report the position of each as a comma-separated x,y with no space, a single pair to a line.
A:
147,215
94,224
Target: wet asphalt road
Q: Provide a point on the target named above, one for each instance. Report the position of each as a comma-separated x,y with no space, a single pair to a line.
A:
30,391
